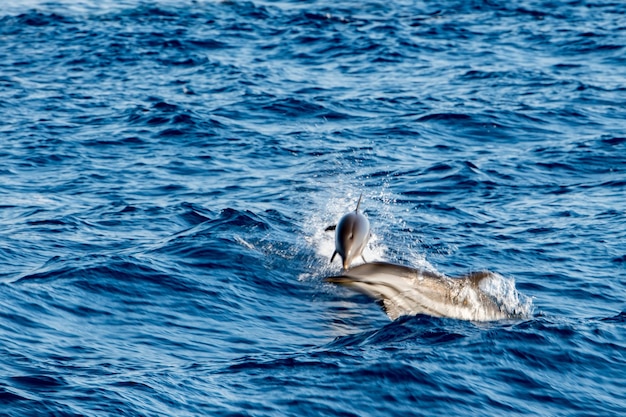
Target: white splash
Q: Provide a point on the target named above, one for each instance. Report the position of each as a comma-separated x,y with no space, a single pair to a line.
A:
243,242
503,291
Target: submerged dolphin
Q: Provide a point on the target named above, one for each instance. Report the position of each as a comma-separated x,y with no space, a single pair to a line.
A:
351,236
407,291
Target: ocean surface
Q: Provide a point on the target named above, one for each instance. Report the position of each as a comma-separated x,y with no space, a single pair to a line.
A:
168,169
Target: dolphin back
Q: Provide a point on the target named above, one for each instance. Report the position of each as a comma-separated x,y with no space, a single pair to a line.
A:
408,291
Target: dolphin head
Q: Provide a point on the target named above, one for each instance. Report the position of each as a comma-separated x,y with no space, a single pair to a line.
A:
351,236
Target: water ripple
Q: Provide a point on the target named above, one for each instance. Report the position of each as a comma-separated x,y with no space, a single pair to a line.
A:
169,170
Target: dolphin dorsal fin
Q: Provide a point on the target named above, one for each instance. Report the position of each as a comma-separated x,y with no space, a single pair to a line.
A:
359,203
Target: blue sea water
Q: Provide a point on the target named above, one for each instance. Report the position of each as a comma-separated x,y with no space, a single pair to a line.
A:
168,169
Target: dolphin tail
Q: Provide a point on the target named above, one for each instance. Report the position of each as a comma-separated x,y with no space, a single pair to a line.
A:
330,228
359,203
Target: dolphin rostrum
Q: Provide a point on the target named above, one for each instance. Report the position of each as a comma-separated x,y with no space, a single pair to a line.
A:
407,291
351,236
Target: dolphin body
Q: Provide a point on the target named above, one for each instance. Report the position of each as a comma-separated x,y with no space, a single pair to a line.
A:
401,290
351,236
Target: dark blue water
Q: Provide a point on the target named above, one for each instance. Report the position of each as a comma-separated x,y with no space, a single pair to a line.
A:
168,169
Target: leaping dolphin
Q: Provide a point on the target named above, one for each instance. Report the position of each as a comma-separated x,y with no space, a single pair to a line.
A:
351,236
407,291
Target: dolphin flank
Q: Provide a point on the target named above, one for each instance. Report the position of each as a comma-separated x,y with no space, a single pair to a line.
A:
408,291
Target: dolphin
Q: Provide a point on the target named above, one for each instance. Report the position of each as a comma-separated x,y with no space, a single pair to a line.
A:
402,290
351,236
